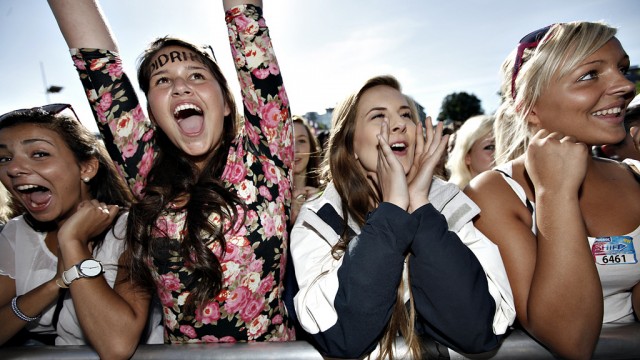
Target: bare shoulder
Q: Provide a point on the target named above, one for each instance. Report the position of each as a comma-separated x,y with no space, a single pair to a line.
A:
490,189
500,206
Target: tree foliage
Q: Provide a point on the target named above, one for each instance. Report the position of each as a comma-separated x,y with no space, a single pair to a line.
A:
459,107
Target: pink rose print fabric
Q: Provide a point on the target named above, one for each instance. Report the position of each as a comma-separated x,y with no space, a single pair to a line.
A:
250,305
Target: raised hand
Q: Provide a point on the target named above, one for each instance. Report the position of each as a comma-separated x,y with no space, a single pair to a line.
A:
556,162
429,150
390,176
91,219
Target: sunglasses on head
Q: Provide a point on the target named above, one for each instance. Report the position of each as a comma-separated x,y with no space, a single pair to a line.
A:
49,109
529,41
208,48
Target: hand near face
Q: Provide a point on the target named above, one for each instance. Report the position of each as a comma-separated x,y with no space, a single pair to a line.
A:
556,162
299,198
428,153
91,219
389,176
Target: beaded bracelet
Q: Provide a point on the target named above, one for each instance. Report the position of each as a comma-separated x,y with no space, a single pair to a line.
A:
14,307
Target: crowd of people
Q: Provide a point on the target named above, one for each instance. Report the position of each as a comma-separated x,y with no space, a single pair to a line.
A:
191,223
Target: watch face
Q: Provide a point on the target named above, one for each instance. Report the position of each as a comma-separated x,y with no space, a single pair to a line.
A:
91,268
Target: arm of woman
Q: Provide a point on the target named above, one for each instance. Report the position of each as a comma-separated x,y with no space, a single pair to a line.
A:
449,287
112,319
82,24
127,132
229,4
32,303
269,128
555,285
346,303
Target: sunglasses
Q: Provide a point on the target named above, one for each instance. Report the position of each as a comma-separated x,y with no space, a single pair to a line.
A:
529,41
208,48
49,109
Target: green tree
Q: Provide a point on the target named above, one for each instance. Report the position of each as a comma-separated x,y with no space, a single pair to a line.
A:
458,107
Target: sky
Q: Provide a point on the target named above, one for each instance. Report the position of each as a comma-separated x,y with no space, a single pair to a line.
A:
326,48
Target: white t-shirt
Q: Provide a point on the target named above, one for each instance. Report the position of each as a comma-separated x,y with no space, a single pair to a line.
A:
24,257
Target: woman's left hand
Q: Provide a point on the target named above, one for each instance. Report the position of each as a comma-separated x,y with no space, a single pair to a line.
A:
428,151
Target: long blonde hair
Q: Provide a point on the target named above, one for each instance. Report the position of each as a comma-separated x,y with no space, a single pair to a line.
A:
561,49
358,198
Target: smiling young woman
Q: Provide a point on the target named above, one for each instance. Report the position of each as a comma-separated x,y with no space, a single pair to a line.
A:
212,241
71,235
373,254
567,223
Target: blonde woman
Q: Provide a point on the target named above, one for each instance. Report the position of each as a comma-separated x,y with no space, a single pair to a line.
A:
474,150
567,223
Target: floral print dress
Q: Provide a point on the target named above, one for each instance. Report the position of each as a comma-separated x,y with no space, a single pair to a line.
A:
250,306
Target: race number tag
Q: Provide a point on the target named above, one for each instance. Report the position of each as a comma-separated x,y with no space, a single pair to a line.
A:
614,250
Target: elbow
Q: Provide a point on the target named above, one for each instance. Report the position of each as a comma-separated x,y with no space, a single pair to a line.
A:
343,343
579,349
482,343
117,349
345,350
571,343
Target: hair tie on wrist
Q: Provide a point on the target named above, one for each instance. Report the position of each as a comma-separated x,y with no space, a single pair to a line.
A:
61,284
20,314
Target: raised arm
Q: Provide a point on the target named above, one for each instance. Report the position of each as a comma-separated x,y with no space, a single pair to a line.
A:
127,132
228,4
555,286
82,24
112,319
268,126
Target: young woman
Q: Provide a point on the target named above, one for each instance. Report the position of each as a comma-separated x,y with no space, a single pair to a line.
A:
306,169
474,150
566,223
62,176
379,218
209,230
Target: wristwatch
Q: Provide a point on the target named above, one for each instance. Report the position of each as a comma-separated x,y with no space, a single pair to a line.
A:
88,268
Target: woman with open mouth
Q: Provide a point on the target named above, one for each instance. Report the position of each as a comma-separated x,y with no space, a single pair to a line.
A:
373,254
208,232
59,260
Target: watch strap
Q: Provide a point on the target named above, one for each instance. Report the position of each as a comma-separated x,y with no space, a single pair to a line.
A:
70,275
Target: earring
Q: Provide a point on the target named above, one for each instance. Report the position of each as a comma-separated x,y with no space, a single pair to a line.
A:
86,179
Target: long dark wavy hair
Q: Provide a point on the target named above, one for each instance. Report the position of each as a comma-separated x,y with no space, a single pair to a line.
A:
358,198
175,178
106,186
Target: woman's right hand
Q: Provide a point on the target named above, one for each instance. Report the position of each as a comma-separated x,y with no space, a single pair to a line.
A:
90,220
390,176
556,162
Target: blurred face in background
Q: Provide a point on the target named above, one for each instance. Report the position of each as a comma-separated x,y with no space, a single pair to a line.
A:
481,155
302,149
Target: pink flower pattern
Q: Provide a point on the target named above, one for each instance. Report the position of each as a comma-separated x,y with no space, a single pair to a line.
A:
249,307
